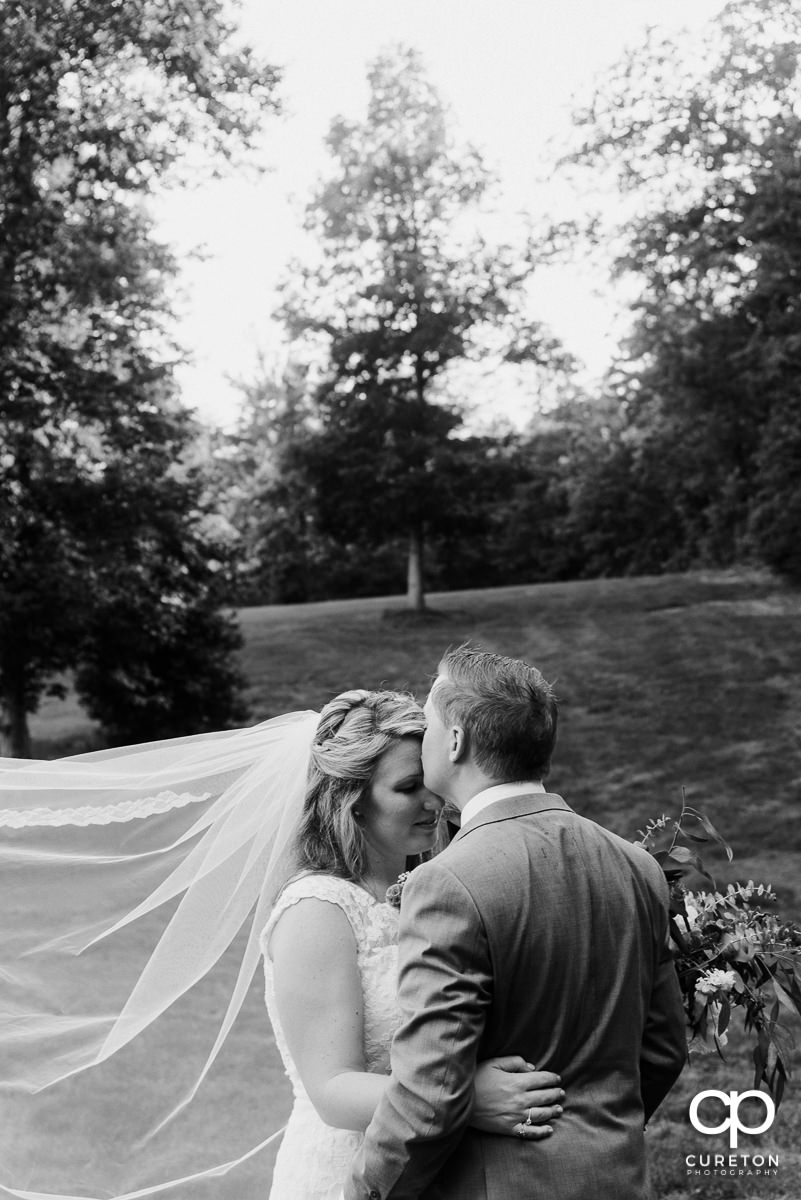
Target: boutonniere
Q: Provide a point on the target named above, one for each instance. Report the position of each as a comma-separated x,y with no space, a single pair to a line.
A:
395,890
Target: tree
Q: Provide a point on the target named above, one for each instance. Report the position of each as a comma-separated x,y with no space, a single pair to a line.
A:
706,139
405,288
97,104
534,532
265,492
265,487
159,656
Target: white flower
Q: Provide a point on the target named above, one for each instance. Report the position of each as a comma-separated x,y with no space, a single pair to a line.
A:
715,982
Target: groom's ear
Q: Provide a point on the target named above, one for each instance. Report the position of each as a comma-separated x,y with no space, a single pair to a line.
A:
457,745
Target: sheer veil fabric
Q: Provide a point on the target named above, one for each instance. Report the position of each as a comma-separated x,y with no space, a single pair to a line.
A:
134,884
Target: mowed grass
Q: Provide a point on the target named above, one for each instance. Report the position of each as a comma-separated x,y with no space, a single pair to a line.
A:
679,682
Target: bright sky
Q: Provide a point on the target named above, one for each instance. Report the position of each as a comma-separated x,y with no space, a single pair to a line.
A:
509,70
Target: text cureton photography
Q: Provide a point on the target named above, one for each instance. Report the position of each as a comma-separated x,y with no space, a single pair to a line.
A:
732,1164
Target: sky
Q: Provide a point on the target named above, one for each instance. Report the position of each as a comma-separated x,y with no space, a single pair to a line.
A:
510,71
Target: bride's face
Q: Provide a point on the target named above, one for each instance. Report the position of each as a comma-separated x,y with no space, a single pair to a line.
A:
399,814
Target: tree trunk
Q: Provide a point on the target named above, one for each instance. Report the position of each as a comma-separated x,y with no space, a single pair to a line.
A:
414,576
15,738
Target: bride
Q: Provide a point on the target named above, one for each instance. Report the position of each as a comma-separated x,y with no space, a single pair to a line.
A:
131,877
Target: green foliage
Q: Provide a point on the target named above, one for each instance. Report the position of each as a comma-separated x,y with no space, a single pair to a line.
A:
97,103
172,676
282,474
285,553
554,502
731,954
706,138
776,510
405,288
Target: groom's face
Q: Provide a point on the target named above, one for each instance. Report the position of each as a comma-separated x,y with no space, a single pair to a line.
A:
437,765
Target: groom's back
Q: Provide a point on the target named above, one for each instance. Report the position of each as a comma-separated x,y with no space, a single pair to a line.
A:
574,920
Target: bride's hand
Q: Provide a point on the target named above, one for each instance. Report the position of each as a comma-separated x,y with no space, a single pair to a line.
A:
512,1097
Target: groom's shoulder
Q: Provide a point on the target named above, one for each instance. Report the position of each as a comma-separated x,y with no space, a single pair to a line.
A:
640,861
466,854
448,868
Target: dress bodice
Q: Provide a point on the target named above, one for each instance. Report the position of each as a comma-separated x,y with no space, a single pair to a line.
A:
375,931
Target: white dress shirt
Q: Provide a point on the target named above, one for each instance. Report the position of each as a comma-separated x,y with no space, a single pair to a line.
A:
499,791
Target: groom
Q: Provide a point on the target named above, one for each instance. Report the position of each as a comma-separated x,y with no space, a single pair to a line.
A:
536,932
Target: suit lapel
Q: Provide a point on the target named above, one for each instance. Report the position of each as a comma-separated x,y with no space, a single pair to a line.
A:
516,806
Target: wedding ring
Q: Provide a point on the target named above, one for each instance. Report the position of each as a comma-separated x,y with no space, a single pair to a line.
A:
528,1118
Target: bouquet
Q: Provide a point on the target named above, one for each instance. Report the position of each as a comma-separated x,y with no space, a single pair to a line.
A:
731,953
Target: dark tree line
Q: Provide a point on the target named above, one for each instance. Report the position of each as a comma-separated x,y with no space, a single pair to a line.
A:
514,508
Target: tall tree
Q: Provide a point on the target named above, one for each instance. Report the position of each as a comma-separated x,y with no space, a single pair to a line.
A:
405,288
98,103
705,139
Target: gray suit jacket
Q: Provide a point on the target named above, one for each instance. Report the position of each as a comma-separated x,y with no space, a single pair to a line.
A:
539,933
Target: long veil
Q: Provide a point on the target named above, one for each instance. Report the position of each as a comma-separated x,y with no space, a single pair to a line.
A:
134,885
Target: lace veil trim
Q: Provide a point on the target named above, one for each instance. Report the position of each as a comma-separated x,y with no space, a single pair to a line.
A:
125,810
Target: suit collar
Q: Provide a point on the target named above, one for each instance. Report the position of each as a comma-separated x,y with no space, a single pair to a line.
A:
494,793
516,806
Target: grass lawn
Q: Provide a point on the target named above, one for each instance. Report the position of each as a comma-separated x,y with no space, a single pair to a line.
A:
667,683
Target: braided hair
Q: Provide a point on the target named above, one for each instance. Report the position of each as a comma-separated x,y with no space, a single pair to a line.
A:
355,729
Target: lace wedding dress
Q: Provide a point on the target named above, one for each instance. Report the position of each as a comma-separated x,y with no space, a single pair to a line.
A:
313,1159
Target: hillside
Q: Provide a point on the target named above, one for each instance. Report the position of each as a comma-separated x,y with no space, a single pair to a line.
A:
666,683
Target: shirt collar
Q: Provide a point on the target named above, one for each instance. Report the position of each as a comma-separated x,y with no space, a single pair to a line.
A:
499,791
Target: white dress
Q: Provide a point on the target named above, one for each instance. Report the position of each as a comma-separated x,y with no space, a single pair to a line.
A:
314,1158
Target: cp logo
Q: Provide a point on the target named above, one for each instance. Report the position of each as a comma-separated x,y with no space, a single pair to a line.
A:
732,1101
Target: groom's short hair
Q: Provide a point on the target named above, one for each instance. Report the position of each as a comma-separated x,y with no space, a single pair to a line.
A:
505,706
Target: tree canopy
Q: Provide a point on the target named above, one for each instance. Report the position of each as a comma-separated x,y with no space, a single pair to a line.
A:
704,140
98,104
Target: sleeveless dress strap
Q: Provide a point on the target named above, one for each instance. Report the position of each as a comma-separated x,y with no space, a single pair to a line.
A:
354,901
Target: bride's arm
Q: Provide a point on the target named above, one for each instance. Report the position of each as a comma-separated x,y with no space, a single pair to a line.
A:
319,998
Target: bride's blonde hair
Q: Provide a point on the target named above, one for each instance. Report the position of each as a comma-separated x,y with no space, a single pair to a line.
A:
355,729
